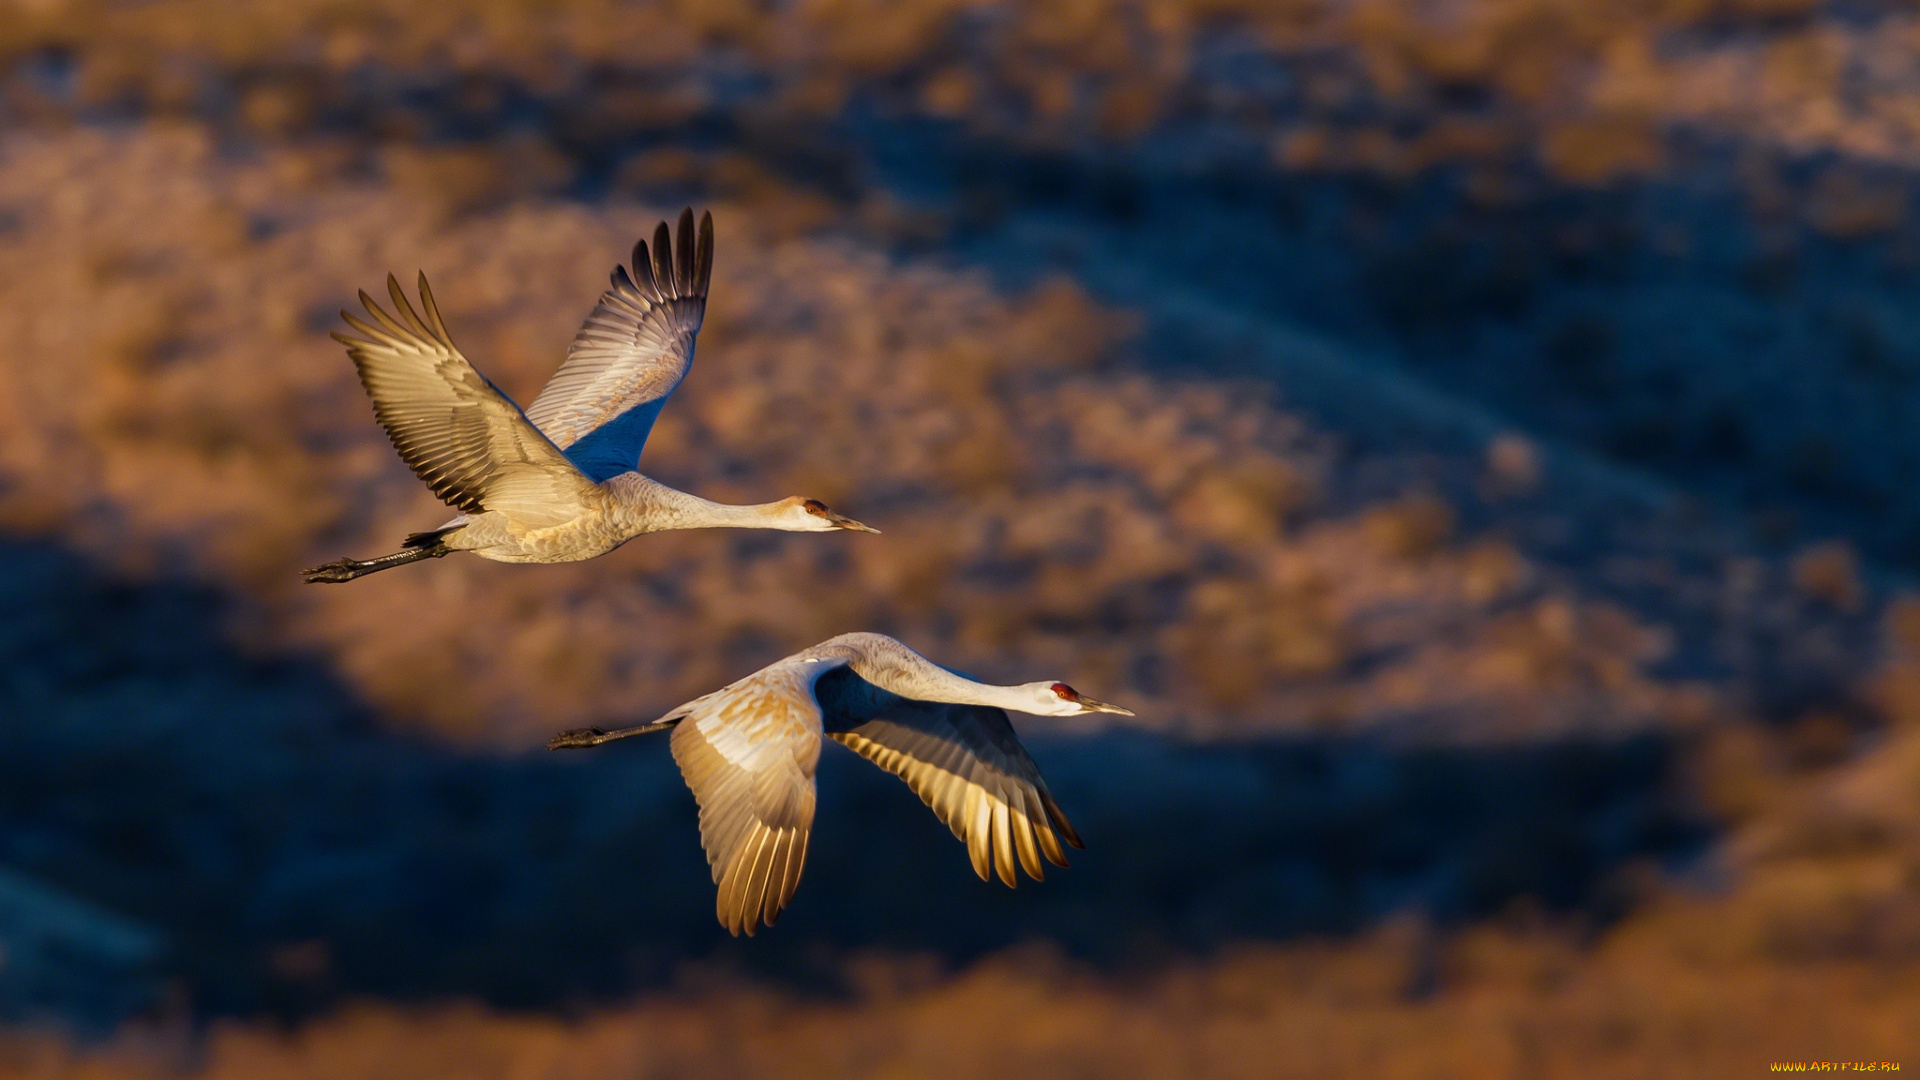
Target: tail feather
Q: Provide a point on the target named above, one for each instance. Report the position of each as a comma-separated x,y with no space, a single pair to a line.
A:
427,539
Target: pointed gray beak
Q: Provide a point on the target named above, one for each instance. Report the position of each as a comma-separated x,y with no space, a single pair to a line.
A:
841,521
1091,705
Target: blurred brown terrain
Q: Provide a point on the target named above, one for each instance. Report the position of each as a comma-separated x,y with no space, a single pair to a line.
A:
1476,439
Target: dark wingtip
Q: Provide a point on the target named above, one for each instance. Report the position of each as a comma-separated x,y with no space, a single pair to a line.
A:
643,271
426,301
683,254
703,262
663,260
1060,822
404,307
360,325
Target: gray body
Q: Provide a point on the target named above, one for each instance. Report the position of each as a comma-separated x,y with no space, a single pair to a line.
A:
609,514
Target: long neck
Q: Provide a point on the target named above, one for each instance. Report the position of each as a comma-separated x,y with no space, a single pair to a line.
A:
968,692
650,506
892,666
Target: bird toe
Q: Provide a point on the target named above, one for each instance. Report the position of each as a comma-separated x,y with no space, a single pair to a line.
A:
332,573
578,737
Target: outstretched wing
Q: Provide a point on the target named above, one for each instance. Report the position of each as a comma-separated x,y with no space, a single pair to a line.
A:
454,428
748,752
966,763
633,350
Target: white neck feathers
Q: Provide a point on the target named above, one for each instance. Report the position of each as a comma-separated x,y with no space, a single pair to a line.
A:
651,506
888,664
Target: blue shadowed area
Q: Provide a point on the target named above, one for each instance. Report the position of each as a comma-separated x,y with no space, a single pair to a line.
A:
226,817
614,447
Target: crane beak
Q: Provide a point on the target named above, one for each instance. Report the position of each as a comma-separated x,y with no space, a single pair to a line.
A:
841,521
1091,705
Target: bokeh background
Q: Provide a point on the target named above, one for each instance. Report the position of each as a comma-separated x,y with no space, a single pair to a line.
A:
1479,438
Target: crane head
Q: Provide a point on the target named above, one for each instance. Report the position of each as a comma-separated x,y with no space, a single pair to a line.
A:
812,515
1059,699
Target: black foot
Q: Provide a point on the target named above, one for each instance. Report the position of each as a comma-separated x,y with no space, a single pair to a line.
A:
576,739
333,573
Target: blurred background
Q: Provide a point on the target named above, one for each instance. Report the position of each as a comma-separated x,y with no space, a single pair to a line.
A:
1478,437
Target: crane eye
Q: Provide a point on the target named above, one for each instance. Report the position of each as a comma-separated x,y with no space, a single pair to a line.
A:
1066,692
815,507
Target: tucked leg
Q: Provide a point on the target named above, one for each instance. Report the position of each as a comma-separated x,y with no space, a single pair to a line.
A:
341,570
581,738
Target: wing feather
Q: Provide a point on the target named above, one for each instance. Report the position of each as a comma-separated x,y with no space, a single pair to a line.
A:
968,766
455,429
631,352
979,826
1022,828
663,259
1003,841
748,753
